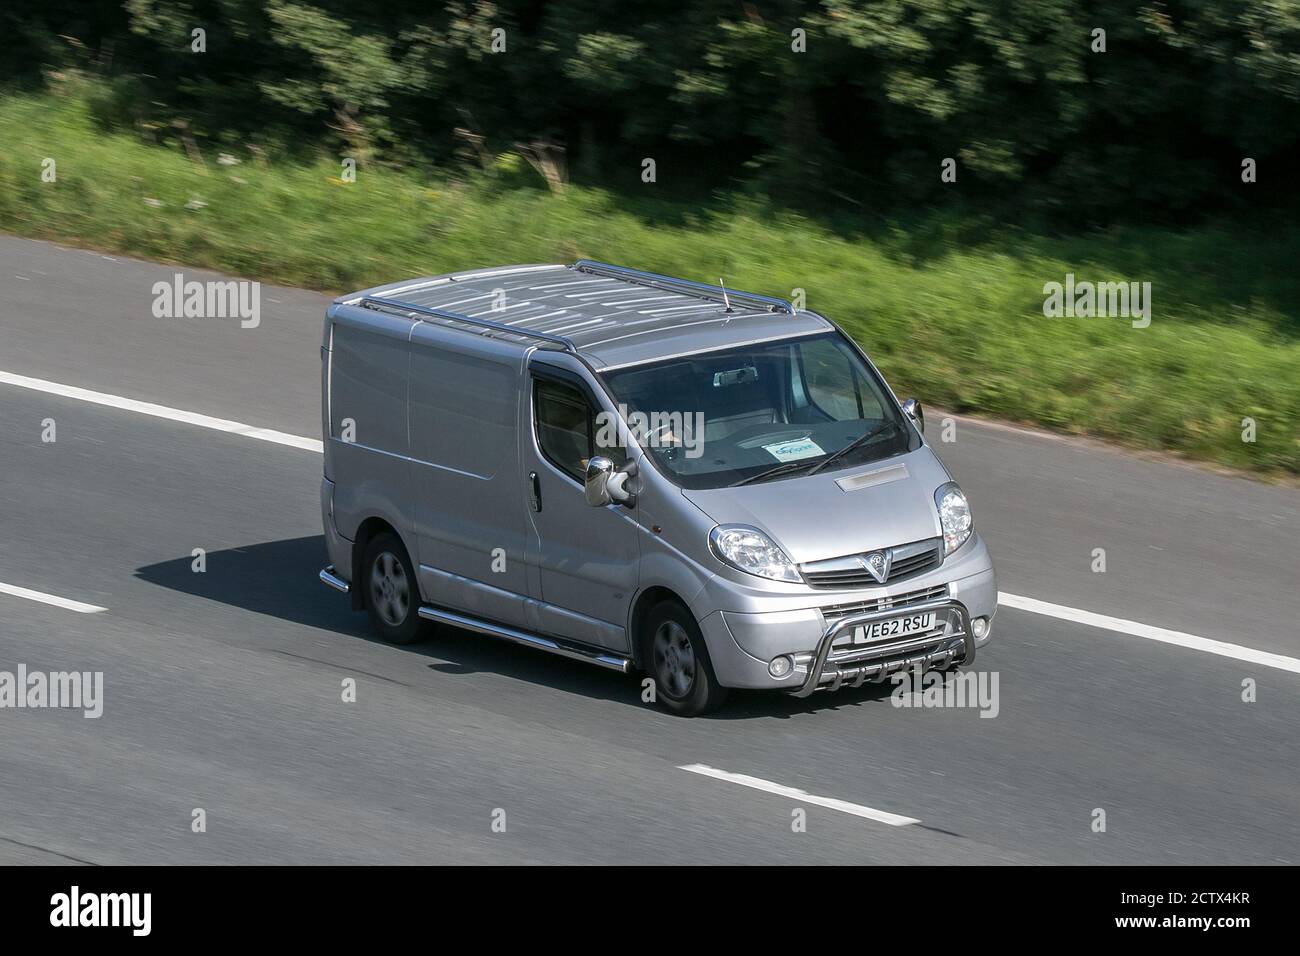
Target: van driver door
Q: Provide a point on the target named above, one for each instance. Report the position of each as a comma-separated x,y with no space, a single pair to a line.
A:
582,560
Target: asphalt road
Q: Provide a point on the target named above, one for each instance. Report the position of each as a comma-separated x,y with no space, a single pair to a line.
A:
222,690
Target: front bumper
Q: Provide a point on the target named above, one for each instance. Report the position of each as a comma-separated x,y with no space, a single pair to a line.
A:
952,643
746,626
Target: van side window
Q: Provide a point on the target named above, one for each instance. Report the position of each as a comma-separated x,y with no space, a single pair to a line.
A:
567,432
563,426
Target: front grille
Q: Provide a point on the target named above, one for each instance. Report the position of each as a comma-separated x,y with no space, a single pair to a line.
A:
847,573
834,612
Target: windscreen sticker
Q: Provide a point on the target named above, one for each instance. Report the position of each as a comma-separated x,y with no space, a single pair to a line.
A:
794,450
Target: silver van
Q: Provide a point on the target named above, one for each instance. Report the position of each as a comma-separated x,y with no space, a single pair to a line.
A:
643,473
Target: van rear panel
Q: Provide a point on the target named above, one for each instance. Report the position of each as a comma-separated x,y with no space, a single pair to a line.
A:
366,444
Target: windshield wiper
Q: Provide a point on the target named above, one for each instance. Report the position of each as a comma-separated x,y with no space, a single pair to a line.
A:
856,443
781,469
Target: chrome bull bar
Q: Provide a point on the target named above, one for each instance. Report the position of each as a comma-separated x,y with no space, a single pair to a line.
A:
886,657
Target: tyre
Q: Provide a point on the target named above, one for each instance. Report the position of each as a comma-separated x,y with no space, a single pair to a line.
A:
391,591
677,659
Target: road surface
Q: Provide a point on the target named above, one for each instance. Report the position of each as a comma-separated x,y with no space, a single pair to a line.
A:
222,690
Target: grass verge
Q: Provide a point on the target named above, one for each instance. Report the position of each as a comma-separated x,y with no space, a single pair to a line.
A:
950,307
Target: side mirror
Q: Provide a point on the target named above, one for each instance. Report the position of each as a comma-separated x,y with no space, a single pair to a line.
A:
603,485
913,410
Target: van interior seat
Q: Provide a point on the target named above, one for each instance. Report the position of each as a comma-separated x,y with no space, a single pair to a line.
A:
736,407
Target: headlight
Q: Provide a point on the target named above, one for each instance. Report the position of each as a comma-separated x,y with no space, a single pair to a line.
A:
749,550
954,516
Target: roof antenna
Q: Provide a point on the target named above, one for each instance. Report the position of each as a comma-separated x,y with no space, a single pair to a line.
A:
725,300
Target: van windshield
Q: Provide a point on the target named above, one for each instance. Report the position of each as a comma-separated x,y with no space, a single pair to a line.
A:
760,412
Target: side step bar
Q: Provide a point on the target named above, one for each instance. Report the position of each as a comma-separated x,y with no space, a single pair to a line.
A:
577,652
570,649
328,576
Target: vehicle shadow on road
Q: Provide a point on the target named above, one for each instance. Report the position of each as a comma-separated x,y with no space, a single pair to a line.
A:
279,579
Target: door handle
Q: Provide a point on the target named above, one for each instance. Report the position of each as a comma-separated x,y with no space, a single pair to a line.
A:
534,491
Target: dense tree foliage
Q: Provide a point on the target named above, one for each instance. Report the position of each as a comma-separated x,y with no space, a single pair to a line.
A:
862,106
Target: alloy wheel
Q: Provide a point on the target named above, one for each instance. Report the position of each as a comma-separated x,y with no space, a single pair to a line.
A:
390,591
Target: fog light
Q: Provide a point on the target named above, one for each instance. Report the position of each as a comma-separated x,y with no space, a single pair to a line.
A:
980,628
780,666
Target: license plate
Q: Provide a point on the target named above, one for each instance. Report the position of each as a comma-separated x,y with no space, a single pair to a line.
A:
906,626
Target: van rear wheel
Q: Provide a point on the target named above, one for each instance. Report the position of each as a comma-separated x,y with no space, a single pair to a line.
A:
391,591
677,660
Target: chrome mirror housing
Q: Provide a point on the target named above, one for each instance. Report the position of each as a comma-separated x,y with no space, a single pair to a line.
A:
604,485
914,411
596,484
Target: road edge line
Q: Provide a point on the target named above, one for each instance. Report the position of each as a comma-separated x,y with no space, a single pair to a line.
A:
52,599
1150,632
161,411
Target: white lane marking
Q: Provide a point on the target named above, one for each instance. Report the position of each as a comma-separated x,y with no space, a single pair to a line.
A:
757,783
1150,632
53,599
1132,628
161,411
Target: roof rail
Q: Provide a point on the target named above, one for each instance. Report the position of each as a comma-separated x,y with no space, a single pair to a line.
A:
700,290
376,302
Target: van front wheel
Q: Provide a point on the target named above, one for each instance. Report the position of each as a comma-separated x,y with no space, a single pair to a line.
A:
678,661
392,594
